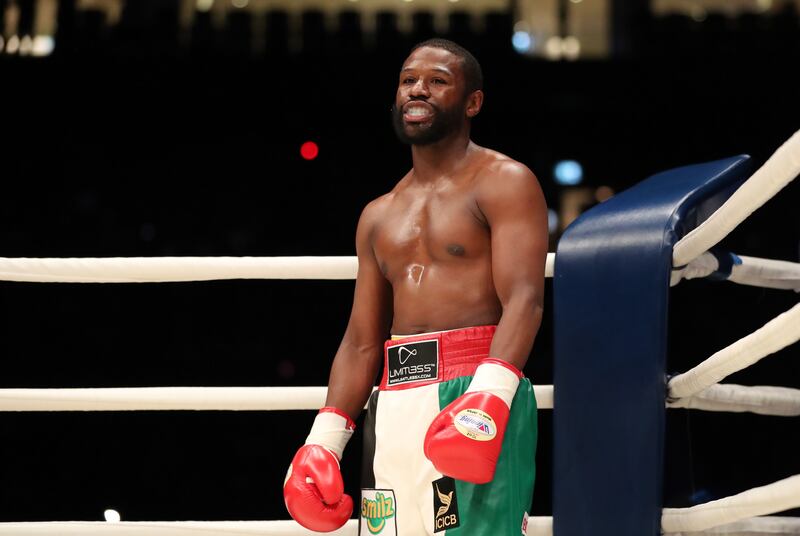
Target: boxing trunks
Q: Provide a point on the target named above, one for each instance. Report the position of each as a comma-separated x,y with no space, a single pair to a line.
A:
402,493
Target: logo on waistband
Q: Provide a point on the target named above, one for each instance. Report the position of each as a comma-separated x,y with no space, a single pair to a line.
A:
445,504
412,362
377,512
404,353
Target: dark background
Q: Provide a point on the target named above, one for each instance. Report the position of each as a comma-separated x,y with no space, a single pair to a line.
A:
129,141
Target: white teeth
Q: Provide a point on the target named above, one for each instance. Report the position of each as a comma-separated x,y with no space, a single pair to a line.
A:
417,111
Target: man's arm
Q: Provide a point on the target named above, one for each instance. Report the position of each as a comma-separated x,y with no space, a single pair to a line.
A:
512,203
314,490
514,206
357,361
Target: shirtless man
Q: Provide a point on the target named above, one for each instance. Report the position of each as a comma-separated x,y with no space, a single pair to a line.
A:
451,263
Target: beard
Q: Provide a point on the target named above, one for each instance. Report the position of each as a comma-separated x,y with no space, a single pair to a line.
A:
442,123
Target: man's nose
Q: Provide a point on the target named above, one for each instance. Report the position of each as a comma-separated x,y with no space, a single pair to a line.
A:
420,89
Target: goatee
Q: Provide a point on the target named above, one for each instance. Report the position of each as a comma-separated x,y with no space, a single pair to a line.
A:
441,124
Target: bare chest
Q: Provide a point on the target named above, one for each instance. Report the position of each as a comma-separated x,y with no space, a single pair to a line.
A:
430,227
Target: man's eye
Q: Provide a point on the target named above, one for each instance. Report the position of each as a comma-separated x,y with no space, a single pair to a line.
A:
408,80
439,81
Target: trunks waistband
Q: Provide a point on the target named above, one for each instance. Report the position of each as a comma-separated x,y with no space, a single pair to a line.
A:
427,358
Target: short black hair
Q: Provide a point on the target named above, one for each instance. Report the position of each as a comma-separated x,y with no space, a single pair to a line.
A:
473,74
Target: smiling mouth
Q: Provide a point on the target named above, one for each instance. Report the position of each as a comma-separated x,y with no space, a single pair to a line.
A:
415,113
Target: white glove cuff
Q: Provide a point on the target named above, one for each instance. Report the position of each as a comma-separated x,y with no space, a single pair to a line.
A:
499,379
332,431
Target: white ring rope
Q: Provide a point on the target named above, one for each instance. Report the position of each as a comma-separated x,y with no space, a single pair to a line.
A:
184,398
777,526
764,273
181,269
168,528
762,400
778,171
752,271
776,334
174,269
537,526
725,397
772,498
767,273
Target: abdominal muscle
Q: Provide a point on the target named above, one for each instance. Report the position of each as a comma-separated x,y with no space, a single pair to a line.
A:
436,296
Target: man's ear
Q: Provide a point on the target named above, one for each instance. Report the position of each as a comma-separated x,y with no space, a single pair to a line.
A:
474,103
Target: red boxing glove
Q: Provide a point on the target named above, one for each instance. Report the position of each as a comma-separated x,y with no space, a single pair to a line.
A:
313,490
464,440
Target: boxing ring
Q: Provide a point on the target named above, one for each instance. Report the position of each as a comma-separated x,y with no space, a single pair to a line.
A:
688,210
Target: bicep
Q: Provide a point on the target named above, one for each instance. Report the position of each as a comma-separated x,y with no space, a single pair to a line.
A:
516,212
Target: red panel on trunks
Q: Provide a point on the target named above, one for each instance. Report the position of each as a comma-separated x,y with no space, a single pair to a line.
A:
429,358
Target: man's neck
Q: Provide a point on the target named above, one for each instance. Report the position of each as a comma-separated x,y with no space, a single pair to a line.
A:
440,158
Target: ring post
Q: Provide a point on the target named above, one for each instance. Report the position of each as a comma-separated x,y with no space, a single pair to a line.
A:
611,288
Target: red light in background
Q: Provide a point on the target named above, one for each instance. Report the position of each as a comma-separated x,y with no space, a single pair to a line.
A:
309,150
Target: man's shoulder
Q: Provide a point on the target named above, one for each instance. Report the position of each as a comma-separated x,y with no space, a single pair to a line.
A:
503,182
497,167
379,204
375,209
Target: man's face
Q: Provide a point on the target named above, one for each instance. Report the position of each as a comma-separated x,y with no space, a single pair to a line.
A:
431,97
